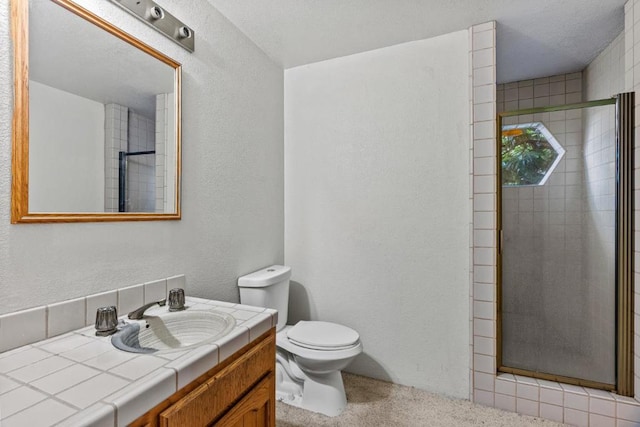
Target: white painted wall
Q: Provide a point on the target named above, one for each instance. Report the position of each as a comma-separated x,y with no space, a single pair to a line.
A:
66,151
232,189
377,206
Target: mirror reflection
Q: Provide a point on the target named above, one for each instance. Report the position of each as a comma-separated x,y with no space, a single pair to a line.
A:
102,119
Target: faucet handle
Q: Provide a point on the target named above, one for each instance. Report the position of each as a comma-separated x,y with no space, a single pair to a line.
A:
176,299
106,320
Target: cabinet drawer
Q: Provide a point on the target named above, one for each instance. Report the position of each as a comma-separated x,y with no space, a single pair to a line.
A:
210,400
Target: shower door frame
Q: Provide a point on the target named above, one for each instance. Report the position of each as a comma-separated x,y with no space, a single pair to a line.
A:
624,111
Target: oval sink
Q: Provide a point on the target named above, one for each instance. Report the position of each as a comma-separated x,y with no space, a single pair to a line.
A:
173,331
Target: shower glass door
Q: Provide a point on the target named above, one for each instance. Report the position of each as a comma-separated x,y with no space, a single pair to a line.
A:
558,268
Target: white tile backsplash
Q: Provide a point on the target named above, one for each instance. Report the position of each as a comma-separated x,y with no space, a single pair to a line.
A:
104,299
130,298
35,324
155,291
23,327
65,316
178,281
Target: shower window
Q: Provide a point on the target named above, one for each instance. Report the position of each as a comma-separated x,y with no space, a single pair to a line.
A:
530,153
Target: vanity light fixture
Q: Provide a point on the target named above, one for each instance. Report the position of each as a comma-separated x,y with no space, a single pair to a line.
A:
156,12
155,16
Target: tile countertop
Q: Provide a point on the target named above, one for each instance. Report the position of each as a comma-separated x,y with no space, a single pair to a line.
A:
79,379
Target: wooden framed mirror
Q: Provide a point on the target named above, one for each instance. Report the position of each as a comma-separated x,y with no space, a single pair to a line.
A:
97,120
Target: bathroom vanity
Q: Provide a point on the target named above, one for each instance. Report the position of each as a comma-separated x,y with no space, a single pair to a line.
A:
80,379
238,392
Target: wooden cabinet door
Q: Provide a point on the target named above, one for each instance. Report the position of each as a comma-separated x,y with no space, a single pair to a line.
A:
256,409
217,395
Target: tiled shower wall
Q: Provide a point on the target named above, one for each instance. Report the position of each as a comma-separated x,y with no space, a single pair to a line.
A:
483,87
128,131
543,92
116,129
162,134
543,224
560,402
141,170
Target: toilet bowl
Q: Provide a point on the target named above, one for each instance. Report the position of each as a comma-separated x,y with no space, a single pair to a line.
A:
310,354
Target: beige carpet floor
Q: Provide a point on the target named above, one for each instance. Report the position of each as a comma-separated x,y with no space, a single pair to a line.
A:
377,403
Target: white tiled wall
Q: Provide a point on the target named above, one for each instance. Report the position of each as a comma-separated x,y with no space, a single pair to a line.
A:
128,131
162,139
483,156
116,125
543,92
141,170
559,402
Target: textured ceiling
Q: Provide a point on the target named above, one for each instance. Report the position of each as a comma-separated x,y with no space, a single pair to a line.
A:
535,38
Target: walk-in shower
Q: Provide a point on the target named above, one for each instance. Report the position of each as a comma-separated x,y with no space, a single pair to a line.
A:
136,181
565,243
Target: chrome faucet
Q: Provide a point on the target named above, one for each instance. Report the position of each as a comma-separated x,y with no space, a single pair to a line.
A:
138,313
176,299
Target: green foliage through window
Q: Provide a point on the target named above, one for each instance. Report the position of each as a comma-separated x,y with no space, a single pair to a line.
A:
527,154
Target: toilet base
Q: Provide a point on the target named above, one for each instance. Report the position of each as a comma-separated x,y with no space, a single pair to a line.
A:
317,393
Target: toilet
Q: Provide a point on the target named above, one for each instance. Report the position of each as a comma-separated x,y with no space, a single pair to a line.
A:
310,355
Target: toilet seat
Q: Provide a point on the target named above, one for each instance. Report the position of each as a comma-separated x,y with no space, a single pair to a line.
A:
283,342
316,335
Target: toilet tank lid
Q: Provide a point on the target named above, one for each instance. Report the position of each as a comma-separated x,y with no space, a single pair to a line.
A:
265,277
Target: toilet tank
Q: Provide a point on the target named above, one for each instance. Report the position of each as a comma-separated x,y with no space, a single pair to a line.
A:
268,288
